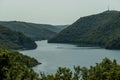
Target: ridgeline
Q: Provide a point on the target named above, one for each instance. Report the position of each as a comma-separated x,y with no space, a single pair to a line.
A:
32,30
101,29
15,40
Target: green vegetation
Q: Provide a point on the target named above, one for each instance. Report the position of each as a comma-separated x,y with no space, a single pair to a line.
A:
15,40
34,31
97,30
106,70
15,66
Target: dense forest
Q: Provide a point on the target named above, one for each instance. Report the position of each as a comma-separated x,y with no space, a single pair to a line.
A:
15,40
32,30
15,66
101,29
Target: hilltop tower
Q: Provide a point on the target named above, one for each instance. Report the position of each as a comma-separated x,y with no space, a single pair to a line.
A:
108,8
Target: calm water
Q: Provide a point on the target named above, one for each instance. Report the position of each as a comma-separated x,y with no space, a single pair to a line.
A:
53,56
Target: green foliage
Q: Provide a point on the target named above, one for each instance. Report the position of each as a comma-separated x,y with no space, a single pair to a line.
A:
15,66
106,70
15,40
98,30
63,74
34,31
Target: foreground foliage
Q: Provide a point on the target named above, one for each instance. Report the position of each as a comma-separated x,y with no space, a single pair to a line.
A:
15,66
106,70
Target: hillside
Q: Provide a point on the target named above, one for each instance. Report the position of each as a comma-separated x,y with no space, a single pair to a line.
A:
35,31
15,66
101,29
15,40
54,28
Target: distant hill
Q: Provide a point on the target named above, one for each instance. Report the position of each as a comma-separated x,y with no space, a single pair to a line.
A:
56,28
101,29
35,31
15,40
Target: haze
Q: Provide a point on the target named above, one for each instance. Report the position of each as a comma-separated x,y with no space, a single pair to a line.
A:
53,11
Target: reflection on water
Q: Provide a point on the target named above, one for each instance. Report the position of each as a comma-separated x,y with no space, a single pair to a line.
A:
54,55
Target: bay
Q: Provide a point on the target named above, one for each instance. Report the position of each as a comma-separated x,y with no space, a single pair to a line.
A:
54,55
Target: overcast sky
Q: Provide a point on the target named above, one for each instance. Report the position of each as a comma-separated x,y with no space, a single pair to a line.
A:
53,11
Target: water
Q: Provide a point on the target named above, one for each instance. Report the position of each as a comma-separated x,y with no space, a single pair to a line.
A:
54,55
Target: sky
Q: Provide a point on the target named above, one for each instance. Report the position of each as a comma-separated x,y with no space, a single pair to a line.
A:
57,12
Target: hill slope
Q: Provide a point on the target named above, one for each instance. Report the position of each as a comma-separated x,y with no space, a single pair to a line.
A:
101,29
15,66
35,31
15,40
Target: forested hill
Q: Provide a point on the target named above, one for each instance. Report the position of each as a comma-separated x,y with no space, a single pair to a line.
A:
15,66
35,31
101,29
15,40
